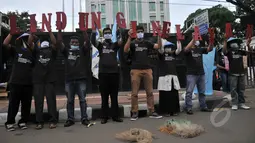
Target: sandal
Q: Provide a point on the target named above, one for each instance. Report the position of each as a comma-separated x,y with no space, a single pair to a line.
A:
52,126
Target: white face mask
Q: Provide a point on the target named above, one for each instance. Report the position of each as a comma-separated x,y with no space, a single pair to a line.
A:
197,43
74,47
234,45
140,35
107,36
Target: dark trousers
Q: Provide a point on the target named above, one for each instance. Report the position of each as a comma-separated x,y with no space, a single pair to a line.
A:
19,93
224,80
41,90
109,85
237,88
76,87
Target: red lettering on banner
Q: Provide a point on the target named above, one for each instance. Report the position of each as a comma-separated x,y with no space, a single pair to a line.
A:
197,34
61,20
96,20
249,31
211,37
32,23
14,29
156,28
120,19
166,29
228,30
83,21
46,22
179,35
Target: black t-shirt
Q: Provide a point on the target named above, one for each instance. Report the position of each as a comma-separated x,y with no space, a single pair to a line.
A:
44,71
167,64
22,67
194,61
108,57
139,54
235,59
76,63
220,60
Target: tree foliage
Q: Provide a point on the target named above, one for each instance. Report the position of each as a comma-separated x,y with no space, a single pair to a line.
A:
218,17
22,19
244,7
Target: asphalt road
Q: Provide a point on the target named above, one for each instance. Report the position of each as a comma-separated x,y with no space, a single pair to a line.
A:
240,128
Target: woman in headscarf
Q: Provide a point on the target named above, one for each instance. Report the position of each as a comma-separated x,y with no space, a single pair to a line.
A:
168,83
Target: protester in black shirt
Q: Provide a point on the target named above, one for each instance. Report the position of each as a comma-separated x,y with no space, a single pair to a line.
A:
20,80
195,74
168,83
221,68
232,49
76,70
109,76
141,69
44,78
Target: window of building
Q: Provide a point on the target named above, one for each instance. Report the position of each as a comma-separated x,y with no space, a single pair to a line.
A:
152,6
103,22
93,8
162,18
103,8
161,6
152,18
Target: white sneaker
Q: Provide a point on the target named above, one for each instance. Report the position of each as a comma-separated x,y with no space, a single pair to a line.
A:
234,107
243,106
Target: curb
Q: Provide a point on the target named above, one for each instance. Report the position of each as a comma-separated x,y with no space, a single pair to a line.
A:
94,112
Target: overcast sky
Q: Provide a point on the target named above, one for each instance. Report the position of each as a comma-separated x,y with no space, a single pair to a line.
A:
178,13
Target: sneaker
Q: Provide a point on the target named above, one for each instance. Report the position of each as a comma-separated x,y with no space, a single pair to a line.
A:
39,126
10,127
206,110
117,119
243,106
234,107
22,126
134,116
104,121
155,115
189,111
69,123
86,123
53,125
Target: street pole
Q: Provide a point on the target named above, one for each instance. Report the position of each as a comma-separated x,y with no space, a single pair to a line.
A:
63,8
73,15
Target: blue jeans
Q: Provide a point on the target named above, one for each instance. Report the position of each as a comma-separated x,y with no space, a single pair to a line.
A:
237,88
192,81
76,87
224,81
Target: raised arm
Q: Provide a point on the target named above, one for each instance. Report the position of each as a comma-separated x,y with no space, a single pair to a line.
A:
31,41
190,45
86,40
53,40
209,48
127,45
159,43
7,40
179,48
248,44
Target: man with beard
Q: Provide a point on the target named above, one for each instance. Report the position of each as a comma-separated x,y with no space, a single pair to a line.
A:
21,79
44,78
109,76
76,70
141,70
195,74
232,49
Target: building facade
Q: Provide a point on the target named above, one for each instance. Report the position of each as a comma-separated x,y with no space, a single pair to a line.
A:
142,11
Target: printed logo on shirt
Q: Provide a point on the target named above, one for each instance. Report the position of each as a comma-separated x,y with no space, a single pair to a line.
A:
107,51
43,60
235,55
73,56
195,55
23,60
169,58
104,47
140,49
